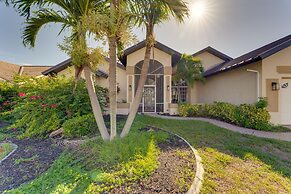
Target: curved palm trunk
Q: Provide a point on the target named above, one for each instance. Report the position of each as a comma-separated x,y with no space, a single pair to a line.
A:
141,83
95,104
112,87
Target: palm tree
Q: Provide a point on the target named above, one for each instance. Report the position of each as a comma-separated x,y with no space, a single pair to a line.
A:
68,15
189,70
112,26
150,13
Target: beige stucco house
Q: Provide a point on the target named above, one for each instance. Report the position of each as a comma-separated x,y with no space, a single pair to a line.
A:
9,70
264,72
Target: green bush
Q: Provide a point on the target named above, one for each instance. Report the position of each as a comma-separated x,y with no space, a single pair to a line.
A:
246,115
80,126
251,116
44,104
190,110
8,96
222,111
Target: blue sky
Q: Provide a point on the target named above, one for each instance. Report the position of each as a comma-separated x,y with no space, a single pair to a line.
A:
231,26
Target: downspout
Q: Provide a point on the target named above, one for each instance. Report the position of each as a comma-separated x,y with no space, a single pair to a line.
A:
258,82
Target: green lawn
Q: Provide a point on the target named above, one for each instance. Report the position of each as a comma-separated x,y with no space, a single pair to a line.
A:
234,163
5,149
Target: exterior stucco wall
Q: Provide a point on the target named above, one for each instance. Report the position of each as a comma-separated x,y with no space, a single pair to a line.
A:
269,68
121,79
236,86
156,54
209,60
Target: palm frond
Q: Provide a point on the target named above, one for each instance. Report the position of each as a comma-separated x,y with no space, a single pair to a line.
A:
42,18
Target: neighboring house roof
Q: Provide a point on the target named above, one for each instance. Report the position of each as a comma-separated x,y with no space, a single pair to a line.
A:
251,57
9,70
175,54
215,53
67,63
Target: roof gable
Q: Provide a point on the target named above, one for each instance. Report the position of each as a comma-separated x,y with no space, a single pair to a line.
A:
214,52
175,54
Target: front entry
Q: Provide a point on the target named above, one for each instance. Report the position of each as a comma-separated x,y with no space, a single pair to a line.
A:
286,102
149,99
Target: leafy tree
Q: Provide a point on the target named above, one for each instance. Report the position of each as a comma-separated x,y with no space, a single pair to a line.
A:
150,13
68,15
189,70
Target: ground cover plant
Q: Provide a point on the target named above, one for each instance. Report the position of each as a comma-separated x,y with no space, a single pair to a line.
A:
5,149
253,116
42,105
99,166
234,163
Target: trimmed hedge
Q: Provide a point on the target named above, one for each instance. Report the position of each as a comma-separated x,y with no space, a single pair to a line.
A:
246,115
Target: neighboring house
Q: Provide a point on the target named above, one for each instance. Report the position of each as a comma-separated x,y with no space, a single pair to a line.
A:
264,72
8,70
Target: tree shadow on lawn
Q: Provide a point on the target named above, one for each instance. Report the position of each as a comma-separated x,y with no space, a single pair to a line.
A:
203,135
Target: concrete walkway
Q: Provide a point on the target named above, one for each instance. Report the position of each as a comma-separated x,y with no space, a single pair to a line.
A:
285,136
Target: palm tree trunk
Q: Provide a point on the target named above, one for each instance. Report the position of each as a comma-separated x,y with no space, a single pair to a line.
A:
112,86
95,104
141,83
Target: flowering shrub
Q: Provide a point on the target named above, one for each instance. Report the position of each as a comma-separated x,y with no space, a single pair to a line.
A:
44,104
8,96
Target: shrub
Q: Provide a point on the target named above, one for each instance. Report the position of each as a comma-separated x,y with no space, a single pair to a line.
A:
80,126
8,96
246,115
46,103
222,111
251,116
189,110
262,103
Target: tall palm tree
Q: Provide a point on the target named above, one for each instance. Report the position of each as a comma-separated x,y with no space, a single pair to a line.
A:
68,15
149,13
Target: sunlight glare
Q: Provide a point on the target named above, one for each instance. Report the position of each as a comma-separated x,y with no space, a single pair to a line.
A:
198,9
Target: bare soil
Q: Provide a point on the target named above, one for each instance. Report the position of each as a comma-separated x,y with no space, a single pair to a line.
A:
170,176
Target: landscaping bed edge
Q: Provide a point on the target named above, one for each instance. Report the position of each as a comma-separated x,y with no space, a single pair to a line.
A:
198,180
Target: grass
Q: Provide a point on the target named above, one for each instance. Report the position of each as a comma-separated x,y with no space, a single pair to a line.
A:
5,149
234,163
99,166
21,160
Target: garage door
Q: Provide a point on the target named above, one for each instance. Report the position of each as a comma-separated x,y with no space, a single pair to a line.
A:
286,102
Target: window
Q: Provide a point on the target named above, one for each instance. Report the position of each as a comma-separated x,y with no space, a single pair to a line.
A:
179,92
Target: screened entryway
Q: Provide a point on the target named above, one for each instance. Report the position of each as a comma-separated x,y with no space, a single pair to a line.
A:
153,96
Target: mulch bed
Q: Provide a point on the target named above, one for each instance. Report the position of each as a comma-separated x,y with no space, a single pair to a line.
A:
164,179
32,158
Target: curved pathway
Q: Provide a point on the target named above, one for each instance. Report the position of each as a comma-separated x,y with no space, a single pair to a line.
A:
285,136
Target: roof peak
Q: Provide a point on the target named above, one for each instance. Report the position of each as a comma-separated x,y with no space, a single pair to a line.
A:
215,52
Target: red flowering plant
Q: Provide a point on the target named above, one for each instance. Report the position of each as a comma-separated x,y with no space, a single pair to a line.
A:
8,97
48,102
